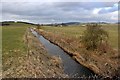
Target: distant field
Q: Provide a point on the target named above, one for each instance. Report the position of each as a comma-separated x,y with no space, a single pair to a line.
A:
12,42
76,32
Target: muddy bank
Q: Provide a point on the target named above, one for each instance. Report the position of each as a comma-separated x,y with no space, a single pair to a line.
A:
37,63
100,64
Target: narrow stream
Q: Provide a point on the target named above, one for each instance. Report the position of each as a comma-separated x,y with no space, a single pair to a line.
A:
71,67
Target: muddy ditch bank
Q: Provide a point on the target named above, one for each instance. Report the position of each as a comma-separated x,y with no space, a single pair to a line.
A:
37,63
101,65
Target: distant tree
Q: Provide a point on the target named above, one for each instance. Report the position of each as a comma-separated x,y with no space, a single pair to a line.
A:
38,26
94,36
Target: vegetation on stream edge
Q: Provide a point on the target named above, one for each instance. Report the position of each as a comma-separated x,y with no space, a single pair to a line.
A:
24,56
36,63
94,37
14,52
68,38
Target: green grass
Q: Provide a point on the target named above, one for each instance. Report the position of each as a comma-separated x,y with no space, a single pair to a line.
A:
76,32
12,38
72,31
112,29
13,45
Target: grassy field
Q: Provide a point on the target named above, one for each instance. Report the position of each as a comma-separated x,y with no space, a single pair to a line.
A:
76,32
112,29
27,65
13,46
12,43
68,38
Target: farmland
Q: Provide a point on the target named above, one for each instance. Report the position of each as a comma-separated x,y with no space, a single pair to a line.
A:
69,39
18,60
77,31
16,53
12,43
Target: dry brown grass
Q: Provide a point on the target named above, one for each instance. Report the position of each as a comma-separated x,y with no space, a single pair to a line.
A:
87,58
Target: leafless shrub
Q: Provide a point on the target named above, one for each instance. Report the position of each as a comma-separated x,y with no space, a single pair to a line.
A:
94,36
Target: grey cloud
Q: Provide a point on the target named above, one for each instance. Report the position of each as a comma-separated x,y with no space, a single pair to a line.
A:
84,5
111,9
36,8
57,11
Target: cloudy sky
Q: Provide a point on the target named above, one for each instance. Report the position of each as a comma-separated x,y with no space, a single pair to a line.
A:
54,12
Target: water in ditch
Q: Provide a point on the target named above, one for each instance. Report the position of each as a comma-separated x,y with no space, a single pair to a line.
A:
71,67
